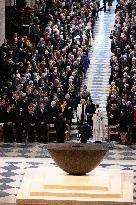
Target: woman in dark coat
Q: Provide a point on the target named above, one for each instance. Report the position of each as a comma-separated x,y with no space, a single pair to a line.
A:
85,63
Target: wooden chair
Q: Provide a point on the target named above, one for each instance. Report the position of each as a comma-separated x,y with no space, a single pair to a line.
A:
51,131
112,131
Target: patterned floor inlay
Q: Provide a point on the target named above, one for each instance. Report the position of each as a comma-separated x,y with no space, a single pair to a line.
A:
35,150
16,158
12,172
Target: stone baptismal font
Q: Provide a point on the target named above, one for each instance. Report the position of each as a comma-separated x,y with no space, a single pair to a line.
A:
77,158
76,178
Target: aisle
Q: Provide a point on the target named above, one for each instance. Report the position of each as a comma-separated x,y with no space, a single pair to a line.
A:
99,71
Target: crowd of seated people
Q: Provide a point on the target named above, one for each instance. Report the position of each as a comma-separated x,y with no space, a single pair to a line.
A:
121,106
41,74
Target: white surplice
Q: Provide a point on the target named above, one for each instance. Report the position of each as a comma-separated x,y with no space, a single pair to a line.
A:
79,111
98,126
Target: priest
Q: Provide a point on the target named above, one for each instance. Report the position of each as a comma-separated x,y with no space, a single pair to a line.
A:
98,126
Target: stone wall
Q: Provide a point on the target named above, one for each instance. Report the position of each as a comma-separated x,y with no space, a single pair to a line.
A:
2,21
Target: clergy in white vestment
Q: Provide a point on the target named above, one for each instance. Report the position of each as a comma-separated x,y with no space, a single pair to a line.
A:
81,114
98,125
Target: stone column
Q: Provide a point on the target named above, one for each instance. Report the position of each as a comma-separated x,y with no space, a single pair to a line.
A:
30,3
2,21
10,2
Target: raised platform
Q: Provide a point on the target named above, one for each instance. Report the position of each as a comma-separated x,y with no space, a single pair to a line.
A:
52,186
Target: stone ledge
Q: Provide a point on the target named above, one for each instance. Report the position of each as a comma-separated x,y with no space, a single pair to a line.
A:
119,181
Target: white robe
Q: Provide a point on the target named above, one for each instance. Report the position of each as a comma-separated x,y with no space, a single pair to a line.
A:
98,126
79,111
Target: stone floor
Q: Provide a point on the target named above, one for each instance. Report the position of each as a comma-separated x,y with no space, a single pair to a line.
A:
35,150
16,158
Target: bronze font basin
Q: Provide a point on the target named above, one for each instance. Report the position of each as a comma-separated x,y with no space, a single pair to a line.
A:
77,158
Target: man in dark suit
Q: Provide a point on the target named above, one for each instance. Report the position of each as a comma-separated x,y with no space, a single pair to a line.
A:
20,125
113,115
31,117
90,110
22,103
85,132
53,111
41,123
60,127
8,125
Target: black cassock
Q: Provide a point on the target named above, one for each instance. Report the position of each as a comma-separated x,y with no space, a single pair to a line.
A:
60,127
